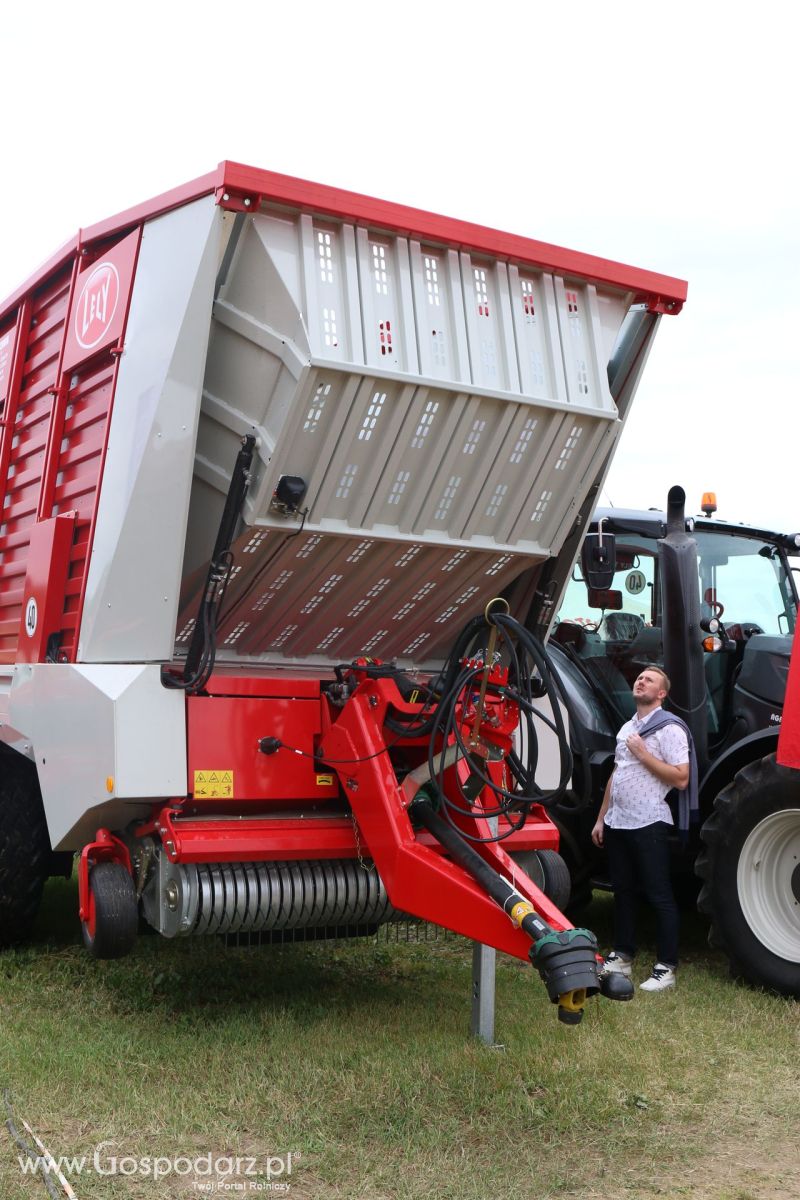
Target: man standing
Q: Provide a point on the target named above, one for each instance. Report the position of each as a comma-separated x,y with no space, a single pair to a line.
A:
652,757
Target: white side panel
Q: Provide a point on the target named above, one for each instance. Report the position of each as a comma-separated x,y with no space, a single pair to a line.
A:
135,571
548,763
91,725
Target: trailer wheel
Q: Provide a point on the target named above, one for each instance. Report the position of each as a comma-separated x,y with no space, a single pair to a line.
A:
549,872
750,868
113,922
24,849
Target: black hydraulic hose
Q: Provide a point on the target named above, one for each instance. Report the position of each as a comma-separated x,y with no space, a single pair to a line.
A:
526,658
493,884
202,650
566,961
554,687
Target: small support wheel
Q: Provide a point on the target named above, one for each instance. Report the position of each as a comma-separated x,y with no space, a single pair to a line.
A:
549,872
110,928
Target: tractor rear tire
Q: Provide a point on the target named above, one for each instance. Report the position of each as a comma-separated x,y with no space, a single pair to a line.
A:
24,848
113,921
549,872
749,865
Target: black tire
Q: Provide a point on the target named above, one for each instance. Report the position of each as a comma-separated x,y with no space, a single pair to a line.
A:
749,864
549,872
110,931
24,849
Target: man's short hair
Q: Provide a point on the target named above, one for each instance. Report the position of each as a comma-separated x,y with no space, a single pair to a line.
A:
665,683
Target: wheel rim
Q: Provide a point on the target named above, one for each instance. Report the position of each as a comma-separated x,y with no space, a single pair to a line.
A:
767,870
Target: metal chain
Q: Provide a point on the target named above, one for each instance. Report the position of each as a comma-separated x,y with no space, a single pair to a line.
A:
356,832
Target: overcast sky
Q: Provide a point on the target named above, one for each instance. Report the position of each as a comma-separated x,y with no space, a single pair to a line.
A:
664,136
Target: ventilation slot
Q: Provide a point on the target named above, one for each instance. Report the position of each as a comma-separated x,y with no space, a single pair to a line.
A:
408,556
374,641
327,587
481,292
496,502
541,505
569,446
310,546
371,419
317,405
399,486
255,542
497,566
236,633
432,280
473,437
518,453
527,301
331,637
425,423
379,269
278,582
359,552
346,482
418,641
283,637
325,257
456,605
448,496
454,560
329,327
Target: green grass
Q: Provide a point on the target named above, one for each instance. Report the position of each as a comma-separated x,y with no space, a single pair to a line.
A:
357,1057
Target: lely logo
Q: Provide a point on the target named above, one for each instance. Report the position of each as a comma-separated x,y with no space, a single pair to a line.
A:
97,304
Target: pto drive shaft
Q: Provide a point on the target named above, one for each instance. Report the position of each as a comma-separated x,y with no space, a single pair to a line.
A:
566,961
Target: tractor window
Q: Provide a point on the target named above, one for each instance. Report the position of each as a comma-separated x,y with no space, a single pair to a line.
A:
749,579
619,635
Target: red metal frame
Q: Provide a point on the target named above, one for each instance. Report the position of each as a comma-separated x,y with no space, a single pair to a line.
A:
45,580
789,737
418,879
354,746
238,182
288,838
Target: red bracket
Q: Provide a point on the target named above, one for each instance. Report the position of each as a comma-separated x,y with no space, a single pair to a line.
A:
237,201
418,879
105,848
669,308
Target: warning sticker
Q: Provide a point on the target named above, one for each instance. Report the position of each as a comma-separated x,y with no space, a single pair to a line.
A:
324,781
213,785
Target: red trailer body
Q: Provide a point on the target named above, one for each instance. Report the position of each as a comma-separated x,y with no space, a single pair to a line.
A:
254,434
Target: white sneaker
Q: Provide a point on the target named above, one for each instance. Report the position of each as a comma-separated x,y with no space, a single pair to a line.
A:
661,979
617,964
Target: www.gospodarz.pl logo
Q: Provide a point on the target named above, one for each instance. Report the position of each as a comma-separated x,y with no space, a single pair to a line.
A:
220,1173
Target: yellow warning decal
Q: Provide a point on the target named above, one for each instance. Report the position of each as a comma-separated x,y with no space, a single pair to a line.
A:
324,781
213,785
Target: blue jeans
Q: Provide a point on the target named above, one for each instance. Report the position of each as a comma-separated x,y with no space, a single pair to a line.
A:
638,861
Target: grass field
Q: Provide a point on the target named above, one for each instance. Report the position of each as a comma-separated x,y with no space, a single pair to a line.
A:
356,1059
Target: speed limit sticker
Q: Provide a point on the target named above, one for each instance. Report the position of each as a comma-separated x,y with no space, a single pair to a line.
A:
31,617
636,582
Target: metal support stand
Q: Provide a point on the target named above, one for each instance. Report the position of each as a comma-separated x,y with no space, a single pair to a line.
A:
484,959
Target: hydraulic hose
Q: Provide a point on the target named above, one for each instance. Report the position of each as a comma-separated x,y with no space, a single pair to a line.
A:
566,961
465,682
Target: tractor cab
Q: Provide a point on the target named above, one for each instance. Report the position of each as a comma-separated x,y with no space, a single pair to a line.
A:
748,611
